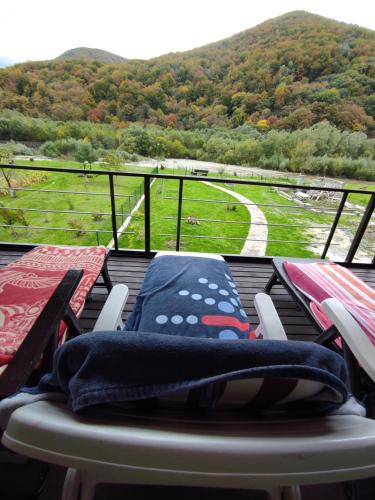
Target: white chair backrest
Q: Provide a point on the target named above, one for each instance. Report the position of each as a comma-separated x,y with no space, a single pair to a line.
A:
356,339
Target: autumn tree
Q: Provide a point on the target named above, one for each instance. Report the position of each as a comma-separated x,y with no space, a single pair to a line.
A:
113,159
85,154
301,156
6,157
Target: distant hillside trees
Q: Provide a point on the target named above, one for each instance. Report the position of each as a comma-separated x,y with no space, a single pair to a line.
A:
288,73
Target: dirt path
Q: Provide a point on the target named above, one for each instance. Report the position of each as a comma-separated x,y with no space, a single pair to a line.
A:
256,241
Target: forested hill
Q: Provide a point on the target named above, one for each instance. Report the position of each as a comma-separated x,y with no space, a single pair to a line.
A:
289,72
87,54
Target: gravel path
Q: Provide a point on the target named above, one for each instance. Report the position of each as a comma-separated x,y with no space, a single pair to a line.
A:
218,168
256,241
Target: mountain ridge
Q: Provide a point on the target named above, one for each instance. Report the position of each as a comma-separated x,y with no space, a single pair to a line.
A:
288,72
90,54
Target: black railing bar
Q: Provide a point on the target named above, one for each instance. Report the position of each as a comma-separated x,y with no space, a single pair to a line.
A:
334,224
179,211
61,211
147,218
113,209
185,177
245,239
273,205
361,229
59,229
57,191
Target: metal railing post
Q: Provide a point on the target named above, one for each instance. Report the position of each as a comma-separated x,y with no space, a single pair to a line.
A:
113,209
361,229
334,224
178,230
147,213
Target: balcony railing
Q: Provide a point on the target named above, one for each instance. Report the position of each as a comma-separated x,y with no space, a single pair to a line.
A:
116,214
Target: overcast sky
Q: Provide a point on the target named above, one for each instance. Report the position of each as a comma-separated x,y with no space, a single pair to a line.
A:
43,29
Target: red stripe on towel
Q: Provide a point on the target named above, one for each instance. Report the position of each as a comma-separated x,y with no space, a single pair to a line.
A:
225,321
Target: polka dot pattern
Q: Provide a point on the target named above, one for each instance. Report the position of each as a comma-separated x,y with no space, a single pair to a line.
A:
161,319
225,307
183,292
213,286
204,281
224,292
192,320
228,334
210,301
196,296
177,319
234,301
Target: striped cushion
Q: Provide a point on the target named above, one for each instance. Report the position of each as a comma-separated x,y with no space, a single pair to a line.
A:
260,394
320,281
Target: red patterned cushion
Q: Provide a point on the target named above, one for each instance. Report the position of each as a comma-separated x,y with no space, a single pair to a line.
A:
28,283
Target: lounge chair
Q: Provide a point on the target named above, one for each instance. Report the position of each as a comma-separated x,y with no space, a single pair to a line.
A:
136,445
341,306
28,293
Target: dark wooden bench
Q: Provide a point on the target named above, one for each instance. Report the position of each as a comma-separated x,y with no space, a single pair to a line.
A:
199,171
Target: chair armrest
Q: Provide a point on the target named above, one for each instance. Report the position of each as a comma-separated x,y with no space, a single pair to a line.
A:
44,330
355,338
269,321
110,316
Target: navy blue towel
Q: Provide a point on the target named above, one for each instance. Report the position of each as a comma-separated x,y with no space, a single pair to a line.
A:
115,367
189,296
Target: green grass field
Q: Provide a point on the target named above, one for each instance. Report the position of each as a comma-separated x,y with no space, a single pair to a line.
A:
60,207
203,237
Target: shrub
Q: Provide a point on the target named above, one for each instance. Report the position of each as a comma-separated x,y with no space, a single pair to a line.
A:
13,218
97,217
231,208
78,225
20,149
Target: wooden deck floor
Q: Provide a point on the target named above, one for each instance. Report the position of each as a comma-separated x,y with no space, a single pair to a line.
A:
250,278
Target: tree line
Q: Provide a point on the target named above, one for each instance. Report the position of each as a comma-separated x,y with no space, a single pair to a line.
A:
322,149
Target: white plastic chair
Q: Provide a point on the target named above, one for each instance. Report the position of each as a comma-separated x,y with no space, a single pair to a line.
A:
353,335
276,456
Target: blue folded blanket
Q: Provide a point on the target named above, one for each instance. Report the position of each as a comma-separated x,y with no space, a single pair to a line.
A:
189,296
114,367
